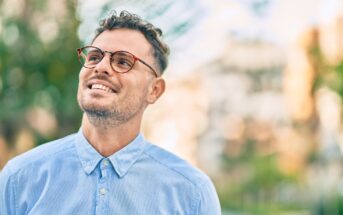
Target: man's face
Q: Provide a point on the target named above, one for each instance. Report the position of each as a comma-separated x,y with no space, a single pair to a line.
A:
114,98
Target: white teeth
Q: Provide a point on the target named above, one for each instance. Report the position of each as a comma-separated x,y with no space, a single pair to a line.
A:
101,87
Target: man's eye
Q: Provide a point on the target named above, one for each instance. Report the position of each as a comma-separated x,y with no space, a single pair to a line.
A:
124,62
94,58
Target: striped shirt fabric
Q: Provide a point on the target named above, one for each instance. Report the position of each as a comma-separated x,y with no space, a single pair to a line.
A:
68,176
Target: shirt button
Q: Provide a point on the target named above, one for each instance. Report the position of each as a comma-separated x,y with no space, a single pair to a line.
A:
102,191
106,162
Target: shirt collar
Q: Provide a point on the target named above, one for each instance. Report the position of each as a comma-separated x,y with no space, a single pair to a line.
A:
121,161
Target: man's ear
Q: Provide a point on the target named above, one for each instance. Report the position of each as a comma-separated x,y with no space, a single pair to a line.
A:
157,89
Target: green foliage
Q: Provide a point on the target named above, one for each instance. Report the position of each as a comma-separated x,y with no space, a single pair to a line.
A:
39,72
254,184
330,205
328,74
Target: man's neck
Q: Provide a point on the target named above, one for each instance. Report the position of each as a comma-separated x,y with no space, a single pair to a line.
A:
109,140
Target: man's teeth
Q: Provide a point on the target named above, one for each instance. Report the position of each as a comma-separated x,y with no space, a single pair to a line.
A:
101,87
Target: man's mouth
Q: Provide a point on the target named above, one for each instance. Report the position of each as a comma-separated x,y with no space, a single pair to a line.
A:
101,87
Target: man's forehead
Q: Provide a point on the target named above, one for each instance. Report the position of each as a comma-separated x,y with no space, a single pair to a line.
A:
123,40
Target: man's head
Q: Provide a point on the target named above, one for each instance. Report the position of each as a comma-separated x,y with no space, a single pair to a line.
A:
131,21
118,79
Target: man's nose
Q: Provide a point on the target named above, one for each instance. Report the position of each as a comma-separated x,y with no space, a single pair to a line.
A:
104,66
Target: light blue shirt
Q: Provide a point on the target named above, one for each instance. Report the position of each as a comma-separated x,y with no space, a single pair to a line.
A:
68,176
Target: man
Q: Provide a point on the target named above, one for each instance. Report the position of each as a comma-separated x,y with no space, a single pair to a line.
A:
108,167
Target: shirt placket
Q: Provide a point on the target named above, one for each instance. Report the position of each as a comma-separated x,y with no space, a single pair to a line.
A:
102,188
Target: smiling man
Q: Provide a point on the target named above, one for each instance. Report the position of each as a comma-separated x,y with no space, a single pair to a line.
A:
108,167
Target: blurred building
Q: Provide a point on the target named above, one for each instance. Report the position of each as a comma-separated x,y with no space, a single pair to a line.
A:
285,101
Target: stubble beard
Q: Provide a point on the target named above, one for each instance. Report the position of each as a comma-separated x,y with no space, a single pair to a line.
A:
109,117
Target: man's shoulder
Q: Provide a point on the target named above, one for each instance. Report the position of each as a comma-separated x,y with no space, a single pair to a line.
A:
41,153
177,165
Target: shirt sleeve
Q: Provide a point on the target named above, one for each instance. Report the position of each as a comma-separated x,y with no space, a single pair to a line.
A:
7,202
209,202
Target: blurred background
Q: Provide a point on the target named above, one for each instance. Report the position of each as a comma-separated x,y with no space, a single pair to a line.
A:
254,91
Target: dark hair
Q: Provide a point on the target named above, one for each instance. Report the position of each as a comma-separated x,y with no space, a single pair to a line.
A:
134,22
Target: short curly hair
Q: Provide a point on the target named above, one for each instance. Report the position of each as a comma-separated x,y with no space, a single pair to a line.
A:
132,21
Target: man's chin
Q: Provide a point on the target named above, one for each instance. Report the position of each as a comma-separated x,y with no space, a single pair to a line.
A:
95,111
92,108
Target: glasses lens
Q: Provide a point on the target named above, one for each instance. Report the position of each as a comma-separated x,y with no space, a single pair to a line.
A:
122,61
90,56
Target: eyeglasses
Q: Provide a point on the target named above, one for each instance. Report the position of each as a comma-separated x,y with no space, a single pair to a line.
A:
121,61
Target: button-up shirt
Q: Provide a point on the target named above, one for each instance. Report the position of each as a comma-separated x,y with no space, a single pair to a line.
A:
68,176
